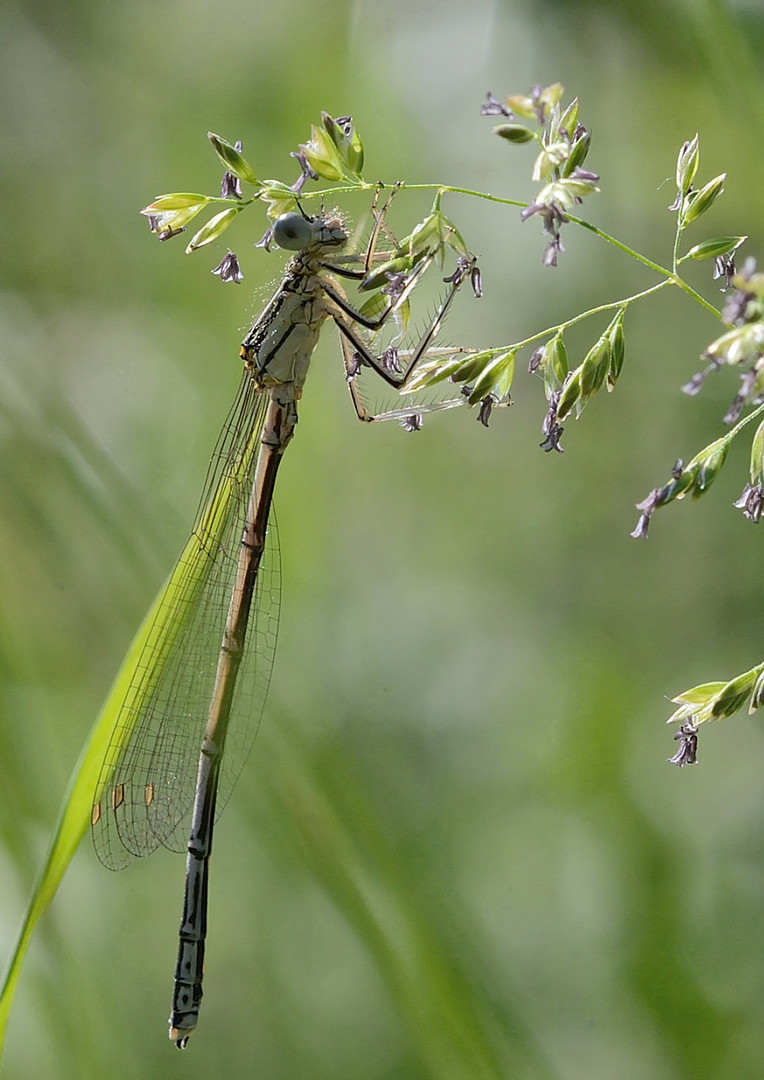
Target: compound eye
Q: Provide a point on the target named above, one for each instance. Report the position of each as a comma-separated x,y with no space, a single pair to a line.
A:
293,231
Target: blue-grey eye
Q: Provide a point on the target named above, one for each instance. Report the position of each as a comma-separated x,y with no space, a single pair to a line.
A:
293,231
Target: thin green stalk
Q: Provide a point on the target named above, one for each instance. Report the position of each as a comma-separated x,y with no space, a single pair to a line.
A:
614,304
671,276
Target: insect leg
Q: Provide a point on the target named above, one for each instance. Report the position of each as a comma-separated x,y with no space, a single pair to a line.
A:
350,354
388,365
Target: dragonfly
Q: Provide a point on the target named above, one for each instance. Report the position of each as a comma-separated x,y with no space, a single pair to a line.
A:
191,712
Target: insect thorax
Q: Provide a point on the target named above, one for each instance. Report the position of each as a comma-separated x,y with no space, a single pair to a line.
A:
279,346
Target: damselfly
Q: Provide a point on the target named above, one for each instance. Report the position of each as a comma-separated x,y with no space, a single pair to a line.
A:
191,712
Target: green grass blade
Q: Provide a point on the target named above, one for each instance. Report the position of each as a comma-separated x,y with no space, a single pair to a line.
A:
162,625
77,805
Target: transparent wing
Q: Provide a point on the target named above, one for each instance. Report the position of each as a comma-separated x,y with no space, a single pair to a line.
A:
148,779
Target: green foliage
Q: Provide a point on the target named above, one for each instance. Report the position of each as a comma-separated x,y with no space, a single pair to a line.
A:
543,848
335,153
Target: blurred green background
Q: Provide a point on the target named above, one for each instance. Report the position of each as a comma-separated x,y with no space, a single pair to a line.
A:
457,851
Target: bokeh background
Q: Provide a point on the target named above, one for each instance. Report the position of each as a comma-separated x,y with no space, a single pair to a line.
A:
457,851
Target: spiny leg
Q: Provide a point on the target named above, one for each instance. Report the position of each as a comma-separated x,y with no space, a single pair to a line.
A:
399,290
338,265
406,413
380,225
388,366
395,366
